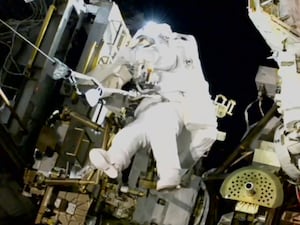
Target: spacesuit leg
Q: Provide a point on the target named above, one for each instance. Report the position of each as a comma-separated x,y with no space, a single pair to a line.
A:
125,144
157,126
164,123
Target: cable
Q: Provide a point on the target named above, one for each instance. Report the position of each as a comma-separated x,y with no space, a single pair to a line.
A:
297,193
9,56
246,113
259,100
27,25
28,42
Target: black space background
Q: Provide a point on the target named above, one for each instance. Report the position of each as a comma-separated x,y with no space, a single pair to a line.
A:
230,48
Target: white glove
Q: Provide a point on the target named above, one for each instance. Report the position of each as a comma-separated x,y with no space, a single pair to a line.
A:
61,71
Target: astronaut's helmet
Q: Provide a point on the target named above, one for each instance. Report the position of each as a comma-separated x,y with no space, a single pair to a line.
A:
152,43
152,33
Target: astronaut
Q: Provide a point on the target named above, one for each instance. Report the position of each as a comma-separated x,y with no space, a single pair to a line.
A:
169,63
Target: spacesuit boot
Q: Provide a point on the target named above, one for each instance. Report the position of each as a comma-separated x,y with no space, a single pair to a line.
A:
169,179
101,160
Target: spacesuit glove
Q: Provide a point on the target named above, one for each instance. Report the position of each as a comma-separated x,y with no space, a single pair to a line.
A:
61,70
134,94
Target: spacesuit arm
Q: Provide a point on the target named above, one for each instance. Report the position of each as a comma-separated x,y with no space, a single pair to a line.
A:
111,75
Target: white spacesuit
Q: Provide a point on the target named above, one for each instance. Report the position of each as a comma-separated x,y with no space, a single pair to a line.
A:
173,69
